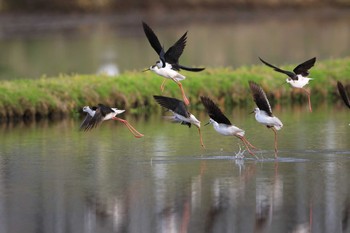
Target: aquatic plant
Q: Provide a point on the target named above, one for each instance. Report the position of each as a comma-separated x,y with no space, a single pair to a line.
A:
65,95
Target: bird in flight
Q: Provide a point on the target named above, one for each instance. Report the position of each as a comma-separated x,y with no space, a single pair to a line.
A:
299,77
168,65
96,115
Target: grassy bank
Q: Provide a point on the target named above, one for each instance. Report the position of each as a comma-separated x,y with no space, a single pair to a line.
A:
61,96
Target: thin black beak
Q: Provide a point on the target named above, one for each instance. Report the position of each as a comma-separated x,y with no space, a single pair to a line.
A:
146,70
207,123
251,112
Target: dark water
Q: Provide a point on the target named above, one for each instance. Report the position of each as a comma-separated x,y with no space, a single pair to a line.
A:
33,46
55,179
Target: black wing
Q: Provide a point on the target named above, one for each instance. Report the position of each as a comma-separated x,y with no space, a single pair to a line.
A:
95,120
172,104
162,57
343,94
104,109
304,67
260,98
191,68
289,73
174,52
214,112
152,38
85,123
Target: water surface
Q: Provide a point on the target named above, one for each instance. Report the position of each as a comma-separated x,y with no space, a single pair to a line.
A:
56,179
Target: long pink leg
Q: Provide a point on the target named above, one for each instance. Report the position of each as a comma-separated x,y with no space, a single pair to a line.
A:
273,129
187,102
200,138
162,86
253,147
245,142
131,129
309,98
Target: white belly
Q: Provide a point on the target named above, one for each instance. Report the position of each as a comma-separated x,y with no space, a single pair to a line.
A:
269,121
228,130
169,73
300,83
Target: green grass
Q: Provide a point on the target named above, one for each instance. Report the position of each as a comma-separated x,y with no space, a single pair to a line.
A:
66,94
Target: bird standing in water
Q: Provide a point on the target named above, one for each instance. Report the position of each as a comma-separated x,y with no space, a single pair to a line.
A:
222,125
263,113
168,64
299,77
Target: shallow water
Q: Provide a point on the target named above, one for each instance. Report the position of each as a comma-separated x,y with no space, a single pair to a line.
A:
56,179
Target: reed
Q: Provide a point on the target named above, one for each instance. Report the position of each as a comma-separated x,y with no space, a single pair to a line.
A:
65,95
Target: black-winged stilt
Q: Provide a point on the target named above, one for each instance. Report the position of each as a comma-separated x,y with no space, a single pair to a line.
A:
263,113
180,113
222,125
343,94
96,115
168,65
299,77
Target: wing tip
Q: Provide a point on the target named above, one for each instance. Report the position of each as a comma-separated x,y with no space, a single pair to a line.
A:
205,100
343,94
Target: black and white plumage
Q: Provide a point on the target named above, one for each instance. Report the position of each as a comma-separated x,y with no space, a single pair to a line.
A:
222,124
168,64
299,77
343,94
96,115
180,112
90,112
263,113
172,55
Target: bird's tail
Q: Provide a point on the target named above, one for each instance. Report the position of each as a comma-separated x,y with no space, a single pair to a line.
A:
191,68
179,77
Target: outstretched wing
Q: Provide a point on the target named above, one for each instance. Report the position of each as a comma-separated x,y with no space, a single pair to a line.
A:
172,104
162,57
173,54
289,73
343,94
260,98
193,69
214,112
304,67
152,38
86,122
94,121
